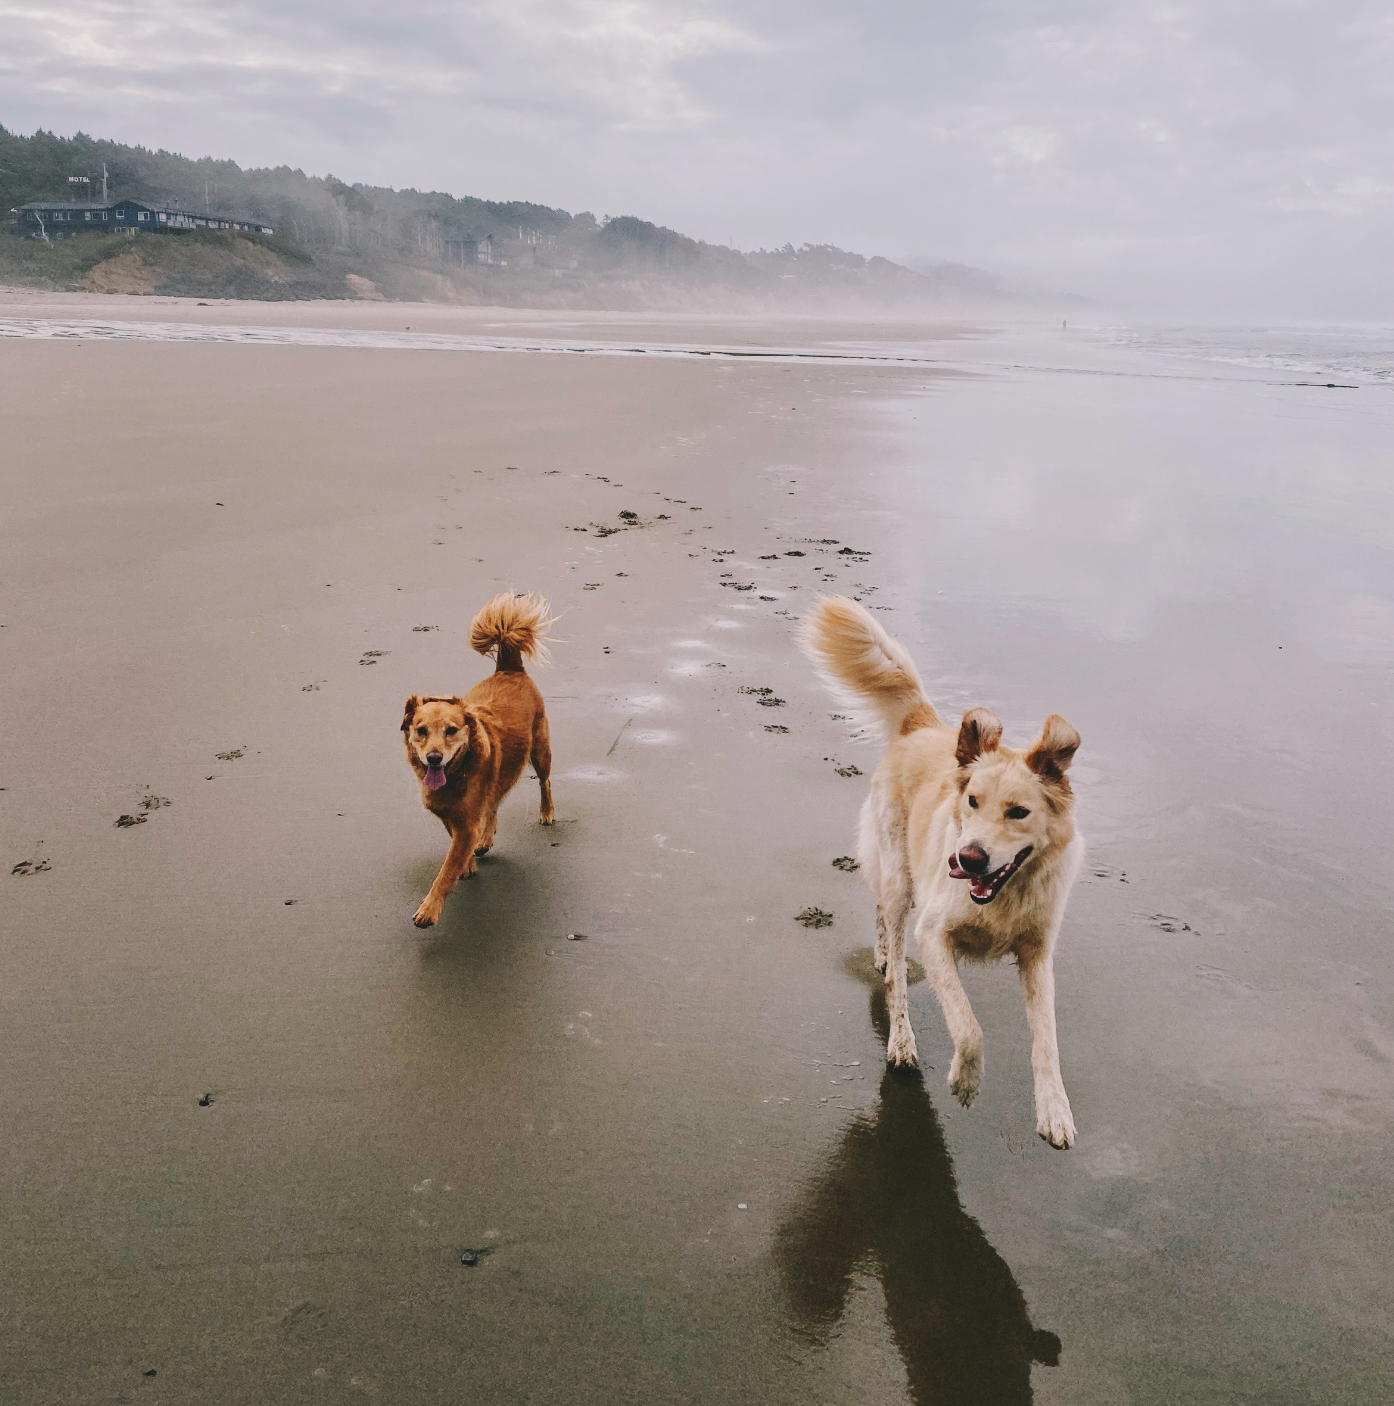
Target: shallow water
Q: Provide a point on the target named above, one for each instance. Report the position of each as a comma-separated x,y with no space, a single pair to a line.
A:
671,1146
1362,354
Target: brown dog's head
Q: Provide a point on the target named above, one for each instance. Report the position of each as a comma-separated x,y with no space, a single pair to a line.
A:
1011,804
439,732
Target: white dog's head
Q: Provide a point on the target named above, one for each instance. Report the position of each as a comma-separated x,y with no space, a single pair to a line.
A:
1010,805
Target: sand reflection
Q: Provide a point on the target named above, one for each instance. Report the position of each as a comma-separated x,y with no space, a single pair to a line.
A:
887,1204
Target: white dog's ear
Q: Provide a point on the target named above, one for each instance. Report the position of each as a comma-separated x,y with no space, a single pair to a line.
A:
980,732
1050,756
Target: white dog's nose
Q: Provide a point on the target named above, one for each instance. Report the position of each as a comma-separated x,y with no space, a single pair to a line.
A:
972,859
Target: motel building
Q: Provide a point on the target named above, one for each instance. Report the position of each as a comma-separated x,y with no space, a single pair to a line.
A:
61,219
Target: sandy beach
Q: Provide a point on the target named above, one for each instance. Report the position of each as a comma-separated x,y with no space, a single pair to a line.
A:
255,1119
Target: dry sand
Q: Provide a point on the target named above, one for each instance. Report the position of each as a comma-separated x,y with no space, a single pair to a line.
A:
670,1146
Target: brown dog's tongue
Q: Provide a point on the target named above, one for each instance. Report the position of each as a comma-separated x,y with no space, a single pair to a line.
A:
435,778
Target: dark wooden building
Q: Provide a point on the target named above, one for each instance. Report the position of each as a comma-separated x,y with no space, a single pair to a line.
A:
62,219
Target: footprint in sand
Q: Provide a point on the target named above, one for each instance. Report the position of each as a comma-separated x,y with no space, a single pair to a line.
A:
1167,923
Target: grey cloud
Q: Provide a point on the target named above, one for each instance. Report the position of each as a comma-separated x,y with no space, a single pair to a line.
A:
1218,155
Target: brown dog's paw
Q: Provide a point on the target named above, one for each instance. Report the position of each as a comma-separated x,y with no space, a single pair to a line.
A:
426,915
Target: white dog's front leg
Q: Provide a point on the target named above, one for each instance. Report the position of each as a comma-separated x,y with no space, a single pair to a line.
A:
966,1071
1054,1121
890,940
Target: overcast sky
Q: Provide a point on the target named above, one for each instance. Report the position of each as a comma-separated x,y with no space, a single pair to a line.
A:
1223,155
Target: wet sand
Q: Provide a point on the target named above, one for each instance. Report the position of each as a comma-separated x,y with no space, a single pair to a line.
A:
670,1146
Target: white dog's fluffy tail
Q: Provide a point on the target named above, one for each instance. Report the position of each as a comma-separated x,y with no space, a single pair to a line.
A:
512,628
866,669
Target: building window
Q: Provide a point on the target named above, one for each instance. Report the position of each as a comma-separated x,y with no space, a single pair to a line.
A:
142,214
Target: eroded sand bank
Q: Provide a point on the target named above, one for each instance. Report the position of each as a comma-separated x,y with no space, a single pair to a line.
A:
670,1145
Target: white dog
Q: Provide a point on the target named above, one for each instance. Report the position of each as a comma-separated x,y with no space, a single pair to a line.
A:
979,837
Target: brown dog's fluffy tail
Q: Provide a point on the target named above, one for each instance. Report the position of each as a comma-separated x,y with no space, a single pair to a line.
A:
866,669
512,628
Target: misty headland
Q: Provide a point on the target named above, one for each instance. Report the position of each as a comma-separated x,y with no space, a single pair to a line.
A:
336,240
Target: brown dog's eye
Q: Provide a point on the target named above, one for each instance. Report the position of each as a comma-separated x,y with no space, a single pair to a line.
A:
973,802
421,732
451,731
1018,813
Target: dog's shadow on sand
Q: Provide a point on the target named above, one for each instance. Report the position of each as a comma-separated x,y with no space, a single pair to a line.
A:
887,1203
501,901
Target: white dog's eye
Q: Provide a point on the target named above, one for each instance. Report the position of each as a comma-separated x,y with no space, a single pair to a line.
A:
973,802
1018,813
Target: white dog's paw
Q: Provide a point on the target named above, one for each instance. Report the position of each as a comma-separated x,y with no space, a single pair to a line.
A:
900,1048
879,962
965,1074
1054,1122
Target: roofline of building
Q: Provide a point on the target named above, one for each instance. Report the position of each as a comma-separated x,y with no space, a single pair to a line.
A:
144,205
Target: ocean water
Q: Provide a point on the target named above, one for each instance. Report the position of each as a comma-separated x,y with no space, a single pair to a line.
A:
1356,355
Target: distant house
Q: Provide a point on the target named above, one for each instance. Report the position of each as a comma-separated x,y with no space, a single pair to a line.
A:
61,219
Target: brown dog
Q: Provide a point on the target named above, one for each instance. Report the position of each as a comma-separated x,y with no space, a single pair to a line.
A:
469,752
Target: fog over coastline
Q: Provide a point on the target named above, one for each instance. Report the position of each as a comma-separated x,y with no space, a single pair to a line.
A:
1218,159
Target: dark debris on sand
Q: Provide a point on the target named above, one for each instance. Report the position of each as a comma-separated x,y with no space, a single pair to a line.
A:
814,918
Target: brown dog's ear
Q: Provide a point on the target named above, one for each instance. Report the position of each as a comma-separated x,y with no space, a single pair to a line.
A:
477,720
410,712
980,732
1050,756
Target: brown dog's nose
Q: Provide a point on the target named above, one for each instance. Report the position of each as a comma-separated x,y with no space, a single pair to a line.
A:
434,758
972,859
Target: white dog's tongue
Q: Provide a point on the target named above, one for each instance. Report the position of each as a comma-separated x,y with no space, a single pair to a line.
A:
435,778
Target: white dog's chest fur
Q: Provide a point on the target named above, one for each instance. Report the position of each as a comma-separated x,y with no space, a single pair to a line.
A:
1027,910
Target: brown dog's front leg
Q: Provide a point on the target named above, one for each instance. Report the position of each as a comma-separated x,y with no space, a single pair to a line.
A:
459,864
